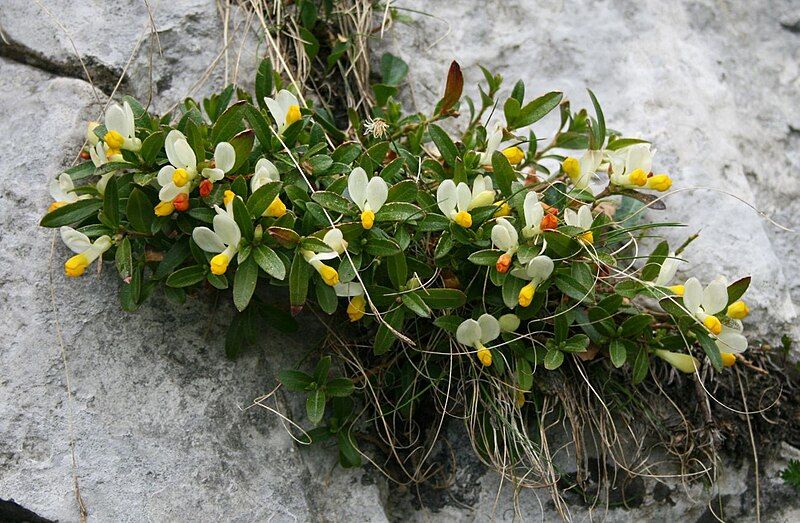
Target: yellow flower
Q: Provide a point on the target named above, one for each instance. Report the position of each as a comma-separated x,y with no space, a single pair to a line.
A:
356,308
86,250
514,154
728,359
164,209
682,362
369,194
537,271
476,333
503,209
738,310
677,289
219,263
659,182
276,209
114,140
464,219
713,324
455,201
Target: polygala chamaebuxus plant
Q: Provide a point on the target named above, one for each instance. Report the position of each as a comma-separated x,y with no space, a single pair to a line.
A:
474,266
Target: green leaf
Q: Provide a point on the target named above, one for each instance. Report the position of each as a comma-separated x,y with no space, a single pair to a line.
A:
242,218
228,124
242,332
448,323
172,259
326,298
641,364
537,109
446,147
572,287
295,380
384,338
737,289
263,82
503,172
619,143
398,212
524,374
416,304
487,257
151,146
269,262
553,359
124,259
382,247
187,276
709,347
600,131
139,211
259,124
321,370
673,305
511,288
617,352
577,343
397,269
310,43
315,406
405,191
81,171
258,202
218,281
511,110
71,213
244,283
443,298
393,69
348,454
339,387
635,325
653,266
332,201
242,145
298,280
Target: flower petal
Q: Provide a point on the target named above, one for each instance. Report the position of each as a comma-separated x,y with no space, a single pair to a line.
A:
668,269
169,192
715,297
184,155
571,218
165,175
130,121
468,333
500,236
540,268
224,156
214,175
377,193
349,289
446,196
533,210
357,187
692,295
76,241
490,328
729,340
207,239
115,120
227,230
335,240
585,217
169,146
463,196
278,114
286,99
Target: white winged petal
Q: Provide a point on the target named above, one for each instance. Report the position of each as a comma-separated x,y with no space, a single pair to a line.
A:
208,240
446,197
335,240
571,218
169,192
357,187
184,155
463,196
469,332
265,172
692,295
213,174
504,235
227,230
349,289
116,120
169,145
165,175
667,270
377,193
585,217
490,328
76,241
715,297
224,156
540,268
729,340
533,210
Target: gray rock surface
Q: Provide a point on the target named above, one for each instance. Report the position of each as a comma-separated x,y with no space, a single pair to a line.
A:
156,411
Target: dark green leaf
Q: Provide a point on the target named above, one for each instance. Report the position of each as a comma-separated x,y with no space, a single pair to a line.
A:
244,283
315,406
446,147
187,276
139,211
71,213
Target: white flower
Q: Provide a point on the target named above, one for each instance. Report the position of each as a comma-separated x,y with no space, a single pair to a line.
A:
224,159
455,201
368,195
266,172
284,108
86,250
492,143
667,270
534,214
335,240
632,167
101,154
583,173
378,127
582,220
224,239
704,304
175,178
121,128
537,271
504,236
62,189
476,333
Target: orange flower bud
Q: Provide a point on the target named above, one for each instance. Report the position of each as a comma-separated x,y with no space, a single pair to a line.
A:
181,202
85,155
205,187
549,222
503,262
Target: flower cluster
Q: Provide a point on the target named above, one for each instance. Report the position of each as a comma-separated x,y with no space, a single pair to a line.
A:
480,243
